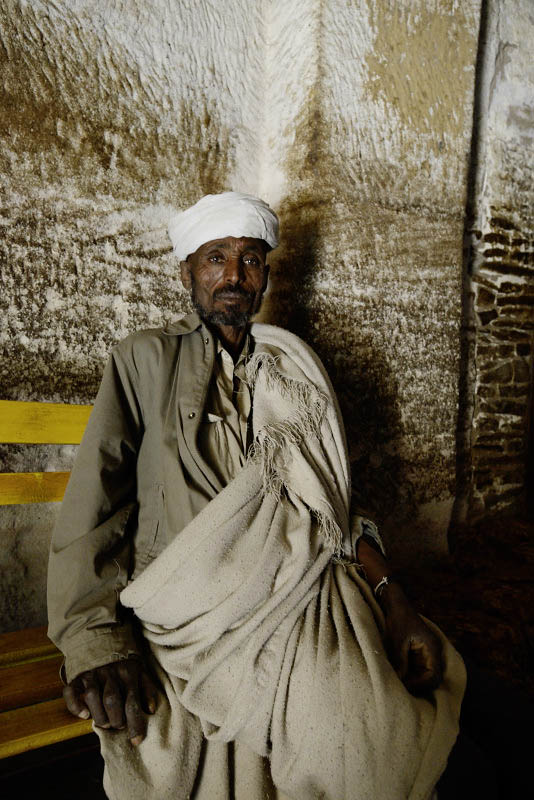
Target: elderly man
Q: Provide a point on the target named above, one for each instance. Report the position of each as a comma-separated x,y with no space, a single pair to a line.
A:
206,547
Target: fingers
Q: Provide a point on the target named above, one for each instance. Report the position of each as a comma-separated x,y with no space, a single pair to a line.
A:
73,696
425,669
115,696
149,693
414,650
130,674
93,698
113,701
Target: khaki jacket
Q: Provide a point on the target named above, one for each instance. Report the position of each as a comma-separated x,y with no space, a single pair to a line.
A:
138,480
138,475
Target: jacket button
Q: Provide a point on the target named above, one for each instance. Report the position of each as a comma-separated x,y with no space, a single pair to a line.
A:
192,415
207,340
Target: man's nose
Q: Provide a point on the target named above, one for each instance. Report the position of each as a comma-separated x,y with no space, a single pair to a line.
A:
233,270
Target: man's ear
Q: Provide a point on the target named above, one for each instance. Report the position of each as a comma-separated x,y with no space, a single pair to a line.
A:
185,273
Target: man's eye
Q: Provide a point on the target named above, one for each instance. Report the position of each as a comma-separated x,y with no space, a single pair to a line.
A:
252,260
215,259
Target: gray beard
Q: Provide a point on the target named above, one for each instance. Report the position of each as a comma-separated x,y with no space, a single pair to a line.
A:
233,319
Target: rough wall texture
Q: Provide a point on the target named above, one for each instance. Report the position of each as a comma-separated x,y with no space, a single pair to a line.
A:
352,118
374,222
502,265
109,113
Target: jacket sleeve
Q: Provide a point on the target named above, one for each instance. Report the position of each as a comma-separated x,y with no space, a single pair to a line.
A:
91,543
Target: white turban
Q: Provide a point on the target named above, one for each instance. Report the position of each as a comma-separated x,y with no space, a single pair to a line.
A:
218,215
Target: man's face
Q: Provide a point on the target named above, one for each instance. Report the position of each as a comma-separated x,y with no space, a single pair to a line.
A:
227,278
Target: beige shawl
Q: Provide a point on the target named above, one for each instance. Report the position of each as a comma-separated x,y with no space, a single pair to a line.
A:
261,636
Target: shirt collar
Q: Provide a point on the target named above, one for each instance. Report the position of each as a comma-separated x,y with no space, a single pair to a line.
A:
244,350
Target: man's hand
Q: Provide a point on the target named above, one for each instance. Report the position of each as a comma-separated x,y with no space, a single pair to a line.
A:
116,695
414,650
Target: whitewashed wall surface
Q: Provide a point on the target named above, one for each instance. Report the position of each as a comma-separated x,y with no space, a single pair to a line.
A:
354,118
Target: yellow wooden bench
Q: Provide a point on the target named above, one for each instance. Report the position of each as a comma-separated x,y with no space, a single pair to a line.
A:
32,711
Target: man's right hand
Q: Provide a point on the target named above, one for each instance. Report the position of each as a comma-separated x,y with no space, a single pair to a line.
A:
116,695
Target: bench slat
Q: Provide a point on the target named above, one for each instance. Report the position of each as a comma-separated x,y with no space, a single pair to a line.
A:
17,488
33,713
37,726
25,645
42,423
29,683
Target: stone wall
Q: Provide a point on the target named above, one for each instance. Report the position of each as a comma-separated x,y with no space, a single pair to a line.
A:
110,114
354,119
501,283
375,205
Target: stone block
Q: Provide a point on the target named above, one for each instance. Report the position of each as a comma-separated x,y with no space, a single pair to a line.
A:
485,317
503,407
521,370
511,334
484,424
510,423
484,298
515,446
487,352
493,439
502,500
502,373
524,256
486,455
510,474
487,391
523,348
497,238
513,318
516,301
511,390
507,287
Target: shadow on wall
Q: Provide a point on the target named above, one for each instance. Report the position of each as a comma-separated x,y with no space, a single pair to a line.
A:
361,375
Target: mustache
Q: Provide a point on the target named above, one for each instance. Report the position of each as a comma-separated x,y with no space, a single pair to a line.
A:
236,291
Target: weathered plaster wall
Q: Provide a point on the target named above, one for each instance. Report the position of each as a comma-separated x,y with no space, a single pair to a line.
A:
501,283
375,210
110,112
352,118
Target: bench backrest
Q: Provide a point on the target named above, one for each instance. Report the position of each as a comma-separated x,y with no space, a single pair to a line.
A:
38,423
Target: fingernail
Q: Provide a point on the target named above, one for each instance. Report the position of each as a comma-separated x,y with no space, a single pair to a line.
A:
151,706
136,740
84,714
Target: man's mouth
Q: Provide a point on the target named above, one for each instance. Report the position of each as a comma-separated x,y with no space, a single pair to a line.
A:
236,294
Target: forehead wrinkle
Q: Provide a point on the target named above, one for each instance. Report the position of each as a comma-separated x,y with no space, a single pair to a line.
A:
254,244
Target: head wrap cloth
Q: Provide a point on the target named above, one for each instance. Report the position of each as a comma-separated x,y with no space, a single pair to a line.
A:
218,215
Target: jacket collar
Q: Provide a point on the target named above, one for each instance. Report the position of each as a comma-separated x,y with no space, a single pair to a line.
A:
192,322
186,324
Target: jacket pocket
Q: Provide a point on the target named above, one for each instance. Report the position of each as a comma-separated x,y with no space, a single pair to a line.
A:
150,538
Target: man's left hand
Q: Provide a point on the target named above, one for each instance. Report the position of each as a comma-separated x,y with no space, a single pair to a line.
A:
414,650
